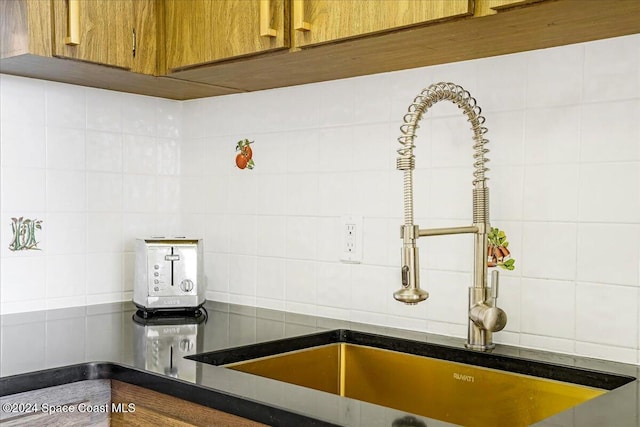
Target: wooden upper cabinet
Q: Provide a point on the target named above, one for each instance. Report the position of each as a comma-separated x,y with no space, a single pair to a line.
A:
203,31
99,31
117,33
25,29
322,21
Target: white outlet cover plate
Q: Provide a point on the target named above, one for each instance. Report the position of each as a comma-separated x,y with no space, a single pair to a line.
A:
351,231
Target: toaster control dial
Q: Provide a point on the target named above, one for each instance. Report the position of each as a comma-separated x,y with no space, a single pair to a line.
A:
186,285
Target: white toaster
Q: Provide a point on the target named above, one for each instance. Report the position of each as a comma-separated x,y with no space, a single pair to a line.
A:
169,274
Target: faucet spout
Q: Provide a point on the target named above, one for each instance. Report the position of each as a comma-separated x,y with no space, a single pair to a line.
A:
484,316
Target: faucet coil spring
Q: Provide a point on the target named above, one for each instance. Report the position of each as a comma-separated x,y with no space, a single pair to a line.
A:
406,159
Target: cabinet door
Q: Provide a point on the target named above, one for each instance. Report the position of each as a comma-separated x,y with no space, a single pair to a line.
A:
201,31
148,36
322,21
104,31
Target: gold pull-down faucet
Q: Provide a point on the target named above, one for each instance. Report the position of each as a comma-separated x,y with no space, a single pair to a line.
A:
484,315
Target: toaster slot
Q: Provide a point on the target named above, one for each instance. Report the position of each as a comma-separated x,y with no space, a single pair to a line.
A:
172,258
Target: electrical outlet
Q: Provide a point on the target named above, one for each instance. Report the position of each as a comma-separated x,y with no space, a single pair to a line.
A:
351,239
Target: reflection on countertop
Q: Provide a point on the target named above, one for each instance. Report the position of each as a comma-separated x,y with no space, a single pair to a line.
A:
48,339
163,341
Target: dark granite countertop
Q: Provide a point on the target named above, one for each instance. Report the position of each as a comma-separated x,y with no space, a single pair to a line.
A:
46,348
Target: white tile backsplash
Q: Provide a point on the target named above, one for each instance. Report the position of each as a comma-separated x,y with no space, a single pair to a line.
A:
66,233
506,137
610,131
609,67
192,161
270,198
300,238
545,342
548,308
334,193
617,305
328,241
104,192
104,110
22,101
66,191
449,193
551,192
337,106
610,192
334,286
243,275
332,140
596,243
23,189
169,118
217,272
503,180
168,156
604,351
364,279
301,194
445,288
103,151
22,146
549,250
504,90
303,152
23,278
104,233
104,275
168,195
363,88
140,154
65,276
300,282
139,115
244,230
270,278
136,225
448,144
101,168
554,76
65,148
552,135
139,193
66,106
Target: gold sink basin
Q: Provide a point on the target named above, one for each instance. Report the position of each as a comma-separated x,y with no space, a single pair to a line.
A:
425,379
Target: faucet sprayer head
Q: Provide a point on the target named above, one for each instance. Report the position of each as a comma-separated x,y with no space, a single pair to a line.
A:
410,296
410,293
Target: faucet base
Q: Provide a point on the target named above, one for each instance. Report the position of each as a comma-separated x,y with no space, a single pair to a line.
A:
480,347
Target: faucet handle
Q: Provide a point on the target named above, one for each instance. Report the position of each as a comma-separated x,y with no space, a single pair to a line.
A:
495,275
489,318
486,314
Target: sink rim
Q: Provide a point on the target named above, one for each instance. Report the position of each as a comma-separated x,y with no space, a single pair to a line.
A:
519,365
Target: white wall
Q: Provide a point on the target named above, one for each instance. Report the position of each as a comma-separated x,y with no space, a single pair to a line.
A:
99,168
565,186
